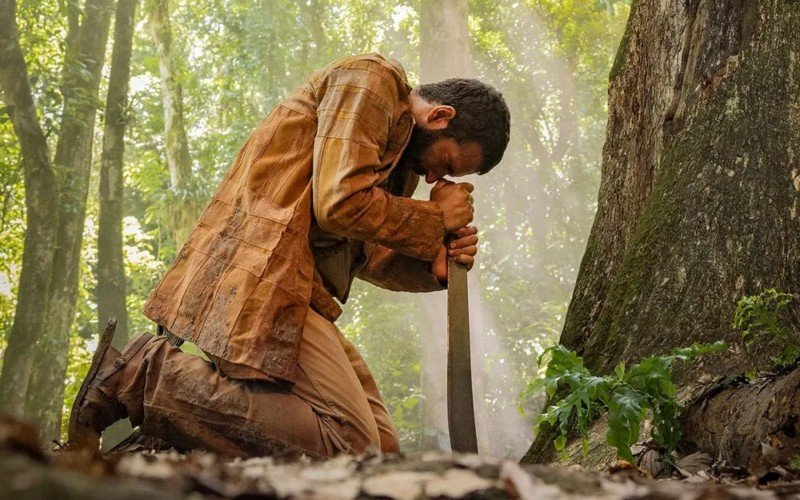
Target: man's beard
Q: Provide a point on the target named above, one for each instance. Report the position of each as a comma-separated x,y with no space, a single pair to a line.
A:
419,144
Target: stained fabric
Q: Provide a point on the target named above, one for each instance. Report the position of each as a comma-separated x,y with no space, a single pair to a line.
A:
334,407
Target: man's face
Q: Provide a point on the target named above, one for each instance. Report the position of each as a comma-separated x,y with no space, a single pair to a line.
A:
433,155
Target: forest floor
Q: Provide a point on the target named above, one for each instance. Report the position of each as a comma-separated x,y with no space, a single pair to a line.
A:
28,472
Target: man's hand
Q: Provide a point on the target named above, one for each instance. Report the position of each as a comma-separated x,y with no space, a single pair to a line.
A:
455,201
462,247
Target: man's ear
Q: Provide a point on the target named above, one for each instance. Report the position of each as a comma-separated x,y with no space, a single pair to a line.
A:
439,116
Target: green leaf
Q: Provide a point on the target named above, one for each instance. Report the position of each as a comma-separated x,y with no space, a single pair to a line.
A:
560,444
619,370
625,396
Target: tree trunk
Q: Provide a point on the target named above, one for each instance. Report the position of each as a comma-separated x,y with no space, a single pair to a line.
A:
73,161
179,162
110,264
40,194
756,425
444,53
698,201
443,40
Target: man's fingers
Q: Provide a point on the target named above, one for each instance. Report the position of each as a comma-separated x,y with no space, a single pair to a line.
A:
465,241
457,252
439,184
467,260
466,231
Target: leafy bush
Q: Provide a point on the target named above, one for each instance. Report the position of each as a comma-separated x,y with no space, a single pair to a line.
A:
625,396
757,317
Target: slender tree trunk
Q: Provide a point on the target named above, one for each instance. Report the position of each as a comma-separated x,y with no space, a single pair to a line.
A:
443,40
177,144
179,162
73,160
444,53
110,263
73,30
700,187
40,196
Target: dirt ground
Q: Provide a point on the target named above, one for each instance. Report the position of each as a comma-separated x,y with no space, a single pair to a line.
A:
26,471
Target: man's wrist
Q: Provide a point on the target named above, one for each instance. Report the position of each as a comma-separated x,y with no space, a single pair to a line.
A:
442,282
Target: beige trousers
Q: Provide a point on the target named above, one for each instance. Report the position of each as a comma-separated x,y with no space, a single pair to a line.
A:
333,407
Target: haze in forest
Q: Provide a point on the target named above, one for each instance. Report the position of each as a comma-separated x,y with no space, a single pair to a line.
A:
202,76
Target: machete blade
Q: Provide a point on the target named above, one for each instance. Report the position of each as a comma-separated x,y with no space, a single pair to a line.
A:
460,409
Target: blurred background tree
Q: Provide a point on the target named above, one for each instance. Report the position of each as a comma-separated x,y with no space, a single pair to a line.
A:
232,61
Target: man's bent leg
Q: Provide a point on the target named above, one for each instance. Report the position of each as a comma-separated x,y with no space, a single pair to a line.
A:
330,384
182,399
187,402
390,440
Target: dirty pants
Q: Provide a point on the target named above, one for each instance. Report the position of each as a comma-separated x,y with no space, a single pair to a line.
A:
333,407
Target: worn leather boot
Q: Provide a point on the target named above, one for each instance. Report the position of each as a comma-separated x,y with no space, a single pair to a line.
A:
96,406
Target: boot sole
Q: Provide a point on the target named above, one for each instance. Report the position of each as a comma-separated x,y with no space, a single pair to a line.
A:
73,434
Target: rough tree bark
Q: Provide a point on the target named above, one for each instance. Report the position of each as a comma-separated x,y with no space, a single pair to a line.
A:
110,265
73,161
698,202
40,195
179,162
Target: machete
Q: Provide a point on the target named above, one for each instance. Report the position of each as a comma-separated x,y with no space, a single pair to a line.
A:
460,409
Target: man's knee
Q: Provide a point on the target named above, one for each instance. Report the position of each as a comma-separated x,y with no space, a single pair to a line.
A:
390,442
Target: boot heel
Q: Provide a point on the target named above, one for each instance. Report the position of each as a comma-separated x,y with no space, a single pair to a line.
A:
74,432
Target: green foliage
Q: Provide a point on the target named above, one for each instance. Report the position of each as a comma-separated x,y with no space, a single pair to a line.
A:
551,60
757,316
626,396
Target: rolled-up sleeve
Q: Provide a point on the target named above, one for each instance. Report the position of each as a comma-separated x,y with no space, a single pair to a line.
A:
392,270
355,116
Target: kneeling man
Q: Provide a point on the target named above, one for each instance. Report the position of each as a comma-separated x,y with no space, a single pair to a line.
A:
318,195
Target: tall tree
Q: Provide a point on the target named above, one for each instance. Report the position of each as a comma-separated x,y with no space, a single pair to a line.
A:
444,53
40,195
73,162
698,203
179,162
111,290
110,264
443,40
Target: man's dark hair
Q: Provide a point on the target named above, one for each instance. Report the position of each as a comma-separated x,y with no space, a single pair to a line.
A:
481,115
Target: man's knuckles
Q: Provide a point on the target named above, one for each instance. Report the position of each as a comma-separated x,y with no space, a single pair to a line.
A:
464,241
470,250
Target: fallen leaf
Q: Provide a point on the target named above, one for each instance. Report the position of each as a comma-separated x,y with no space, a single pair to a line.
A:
457,483
651,463
694,463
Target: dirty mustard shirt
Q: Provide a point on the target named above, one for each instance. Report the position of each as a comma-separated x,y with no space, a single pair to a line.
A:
312,183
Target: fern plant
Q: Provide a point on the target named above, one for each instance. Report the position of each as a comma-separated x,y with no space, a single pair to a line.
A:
757,316
625,395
